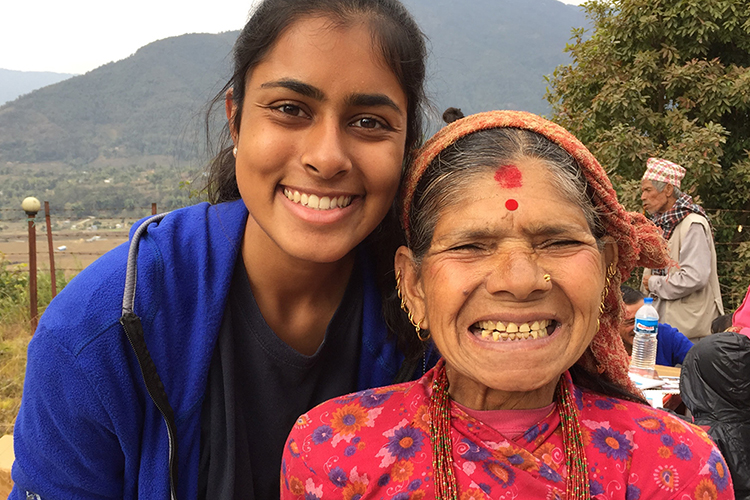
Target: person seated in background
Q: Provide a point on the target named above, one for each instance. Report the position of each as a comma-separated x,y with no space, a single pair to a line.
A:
721,324
671,344
715,387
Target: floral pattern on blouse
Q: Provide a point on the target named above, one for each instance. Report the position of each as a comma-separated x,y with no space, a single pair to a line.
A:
375,444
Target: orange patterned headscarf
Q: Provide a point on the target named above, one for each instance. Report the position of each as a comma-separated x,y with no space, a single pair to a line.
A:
639,241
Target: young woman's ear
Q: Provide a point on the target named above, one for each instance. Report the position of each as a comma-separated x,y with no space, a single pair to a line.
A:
231,110
410,287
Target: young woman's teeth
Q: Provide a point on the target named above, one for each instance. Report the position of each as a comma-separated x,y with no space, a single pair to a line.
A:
317,202
499,331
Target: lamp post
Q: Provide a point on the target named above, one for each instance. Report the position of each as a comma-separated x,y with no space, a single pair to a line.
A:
31,206
53,278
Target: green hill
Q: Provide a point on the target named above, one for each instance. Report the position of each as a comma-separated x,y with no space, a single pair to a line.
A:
141,106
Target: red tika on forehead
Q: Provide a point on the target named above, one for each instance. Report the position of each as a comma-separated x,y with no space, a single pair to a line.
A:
639,242
509,177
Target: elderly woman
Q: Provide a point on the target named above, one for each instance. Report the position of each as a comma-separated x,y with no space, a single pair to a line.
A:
517,247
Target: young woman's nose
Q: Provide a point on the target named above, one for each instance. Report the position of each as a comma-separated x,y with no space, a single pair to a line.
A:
515,271
325,151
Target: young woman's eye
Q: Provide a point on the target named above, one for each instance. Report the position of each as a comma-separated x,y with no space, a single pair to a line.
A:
370,123
290,109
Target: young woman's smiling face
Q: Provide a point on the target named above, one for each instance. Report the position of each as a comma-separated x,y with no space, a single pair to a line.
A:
487,262
321,141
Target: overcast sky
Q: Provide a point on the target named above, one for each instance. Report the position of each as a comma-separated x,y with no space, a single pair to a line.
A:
76,36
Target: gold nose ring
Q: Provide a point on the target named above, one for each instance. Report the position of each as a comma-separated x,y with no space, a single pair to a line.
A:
547,278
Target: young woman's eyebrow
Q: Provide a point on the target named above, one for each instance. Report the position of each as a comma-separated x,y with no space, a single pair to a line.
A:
297,86
307,90
371,100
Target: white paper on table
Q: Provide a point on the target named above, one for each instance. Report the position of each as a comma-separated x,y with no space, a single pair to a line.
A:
644,383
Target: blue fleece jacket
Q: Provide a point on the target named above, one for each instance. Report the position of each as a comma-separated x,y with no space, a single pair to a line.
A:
86,427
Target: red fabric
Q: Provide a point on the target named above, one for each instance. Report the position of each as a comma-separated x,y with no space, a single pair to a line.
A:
376,445
639,241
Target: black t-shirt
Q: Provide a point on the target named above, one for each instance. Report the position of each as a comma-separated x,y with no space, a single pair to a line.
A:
258,386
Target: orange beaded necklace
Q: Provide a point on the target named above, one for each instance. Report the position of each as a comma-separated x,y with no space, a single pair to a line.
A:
577,486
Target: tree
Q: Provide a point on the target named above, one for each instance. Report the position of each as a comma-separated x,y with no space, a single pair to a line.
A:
668,78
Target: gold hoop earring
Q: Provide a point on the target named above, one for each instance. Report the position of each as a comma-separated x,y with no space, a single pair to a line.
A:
547,278
418,329
611,270
398,291
417,325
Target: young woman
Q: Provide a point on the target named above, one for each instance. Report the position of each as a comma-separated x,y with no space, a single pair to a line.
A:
238,316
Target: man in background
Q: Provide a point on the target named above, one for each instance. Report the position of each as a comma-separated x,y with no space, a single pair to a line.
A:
687,295
671,345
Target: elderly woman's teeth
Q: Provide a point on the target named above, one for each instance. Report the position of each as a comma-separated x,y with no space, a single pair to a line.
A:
499,331
317,202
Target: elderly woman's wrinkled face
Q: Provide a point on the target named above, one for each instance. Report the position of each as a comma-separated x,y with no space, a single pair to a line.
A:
482,290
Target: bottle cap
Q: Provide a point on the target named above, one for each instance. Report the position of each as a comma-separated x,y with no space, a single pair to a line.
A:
648,300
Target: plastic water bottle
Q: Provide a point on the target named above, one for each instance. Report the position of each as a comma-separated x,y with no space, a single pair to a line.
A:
644,343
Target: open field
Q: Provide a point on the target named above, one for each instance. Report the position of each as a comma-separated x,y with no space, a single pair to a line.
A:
75,249
81,248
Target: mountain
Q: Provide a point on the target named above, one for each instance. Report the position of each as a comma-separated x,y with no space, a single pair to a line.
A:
484,54
494,54
137,107
16,83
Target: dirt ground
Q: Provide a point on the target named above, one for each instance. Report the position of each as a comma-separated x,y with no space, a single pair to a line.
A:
80,248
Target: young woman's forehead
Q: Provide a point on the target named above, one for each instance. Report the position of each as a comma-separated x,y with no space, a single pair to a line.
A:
326,36
322,23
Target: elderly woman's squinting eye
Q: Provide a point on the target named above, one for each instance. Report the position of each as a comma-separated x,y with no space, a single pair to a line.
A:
563,243
560,244
466,247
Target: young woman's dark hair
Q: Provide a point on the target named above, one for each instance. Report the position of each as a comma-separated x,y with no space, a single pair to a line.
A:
394,32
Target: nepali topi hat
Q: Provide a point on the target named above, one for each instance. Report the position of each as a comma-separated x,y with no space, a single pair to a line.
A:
659,169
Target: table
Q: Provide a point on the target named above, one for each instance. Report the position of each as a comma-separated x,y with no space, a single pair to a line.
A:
668,371
669,394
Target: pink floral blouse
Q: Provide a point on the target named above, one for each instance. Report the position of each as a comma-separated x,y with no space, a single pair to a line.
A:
375,444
